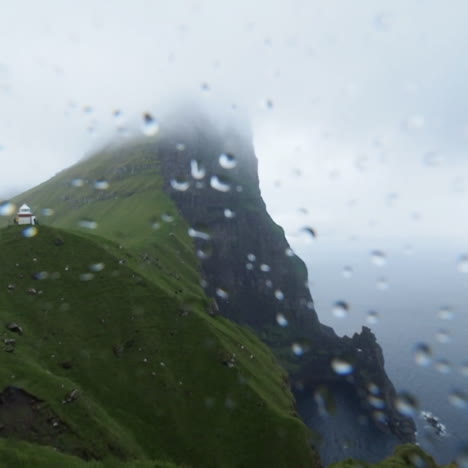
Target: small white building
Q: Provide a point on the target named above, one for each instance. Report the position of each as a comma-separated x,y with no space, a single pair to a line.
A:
25,216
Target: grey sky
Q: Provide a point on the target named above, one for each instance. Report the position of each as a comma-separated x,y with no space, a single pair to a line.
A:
359,93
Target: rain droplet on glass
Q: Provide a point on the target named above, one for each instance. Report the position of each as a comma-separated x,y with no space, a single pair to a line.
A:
77,182
443,366
312,233
47,212
218,183
88,224
406,404
101,184
372,317
180,184
462,263
378,258
30,232
279,294
281,320
458,398
222,293
197,170
229,214
251,257
445,313
443,336
199,234
382,284
347,272
297,349
265,268
341,366
422,355
340,309
97,267
7,208
227,161
150,125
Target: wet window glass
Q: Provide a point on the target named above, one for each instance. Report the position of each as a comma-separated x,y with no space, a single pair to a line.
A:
225,223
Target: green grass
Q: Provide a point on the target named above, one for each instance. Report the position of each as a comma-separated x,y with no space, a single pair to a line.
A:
151,379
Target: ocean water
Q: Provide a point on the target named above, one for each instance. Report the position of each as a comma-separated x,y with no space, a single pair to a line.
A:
409,289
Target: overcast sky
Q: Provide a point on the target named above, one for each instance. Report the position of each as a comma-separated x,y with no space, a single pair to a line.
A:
359,109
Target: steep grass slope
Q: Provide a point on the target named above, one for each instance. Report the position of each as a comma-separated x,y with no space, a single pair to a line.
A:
104,363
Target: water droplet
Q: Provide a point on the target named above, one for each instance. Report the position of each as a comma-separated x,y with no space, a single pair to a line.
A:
220,184
199,234
101,184
340,309
48,212
197,170
372,317
86,276
268,283
77,182
118,118
382,284
88,224
7,208
279,295
443,336
282,320
180,184
155,225
203,254
265,268
458,398
312,233
180,147
150,125
289,252
347,272
406,404
422,354
341,367
445,313
297,349
167,218
41,275
433,158
30,232
251,257
227,161
464,369
229,214
88,109
97,267
222,293
249,266
378,258
462,264
443,366
376,402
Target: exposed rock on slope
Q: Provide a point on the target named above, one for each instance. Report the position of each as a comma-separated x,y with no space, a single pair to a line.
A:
248,256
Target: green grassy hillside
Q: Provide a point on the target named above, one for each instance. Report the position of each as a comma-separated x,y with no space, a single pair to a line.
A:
109,364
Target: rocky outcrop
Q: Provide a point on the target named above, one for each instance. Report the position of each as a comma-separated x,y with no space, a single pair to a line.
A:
250,269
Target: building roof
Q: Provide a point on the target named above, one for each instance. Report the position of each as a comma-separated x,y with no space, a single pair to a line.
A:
24,209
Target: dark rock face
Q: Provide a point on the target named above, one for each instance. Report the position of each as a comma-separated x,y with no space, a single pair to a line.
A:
250,270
